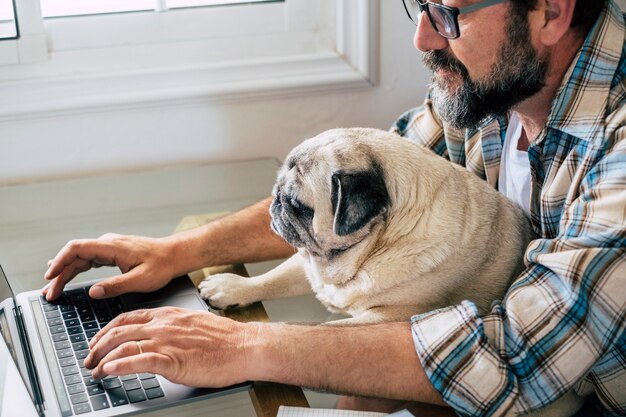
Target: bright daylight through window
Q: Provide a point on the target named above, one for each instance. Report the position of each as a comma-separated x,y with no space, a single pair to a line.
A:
59,8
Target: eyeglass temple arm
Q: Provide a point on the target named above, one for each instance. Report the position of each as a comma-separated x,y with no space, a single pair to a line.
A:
479,6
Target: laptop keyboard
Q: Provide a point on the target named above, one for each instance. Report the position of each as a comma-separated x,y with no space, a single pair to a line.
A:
73,319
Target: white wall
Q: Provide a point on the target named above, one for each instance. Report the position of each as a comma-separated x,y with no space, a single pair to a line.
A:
130,140
91,143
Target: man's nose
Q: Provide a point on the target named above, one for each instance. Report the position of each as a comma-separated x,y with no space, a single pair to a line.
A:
426,37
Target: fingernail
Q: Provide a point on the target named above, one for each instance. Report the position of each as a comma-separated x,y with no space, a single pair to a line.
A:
96,291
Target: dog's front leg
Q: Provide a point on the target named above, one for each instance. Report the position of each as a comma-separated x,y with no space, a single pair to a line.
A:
230,291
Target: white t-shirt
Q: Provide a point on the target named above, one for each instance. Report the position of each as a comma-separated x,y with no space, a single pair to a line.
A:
514,179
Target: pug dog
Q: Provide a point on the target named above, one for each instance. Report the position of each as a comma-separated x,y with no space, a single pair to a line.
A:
384,229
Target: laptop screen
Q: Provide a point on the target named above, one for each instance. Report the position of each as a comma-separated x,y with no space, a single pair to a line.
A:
10,333
14,396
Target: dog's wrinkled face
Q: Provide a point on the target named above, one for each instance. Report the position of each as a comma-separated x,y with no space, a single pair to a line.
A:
329,193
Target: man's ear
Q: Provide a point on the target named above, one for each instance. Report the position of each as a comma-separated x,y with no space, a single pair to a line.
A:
557,18
357,198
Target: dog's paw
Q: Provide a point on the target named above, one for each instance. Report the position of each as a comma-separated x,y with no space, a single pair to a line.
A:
224,291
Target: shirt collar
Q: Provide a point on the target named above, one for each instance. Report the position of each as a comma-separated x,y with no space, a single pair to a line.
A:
580,105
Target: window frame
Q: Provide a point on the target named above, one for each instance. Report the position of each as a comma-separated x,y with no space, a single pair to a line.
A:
334,48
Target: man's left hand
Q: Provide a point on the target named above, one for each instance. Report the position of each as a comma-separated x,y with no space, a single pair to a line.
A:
187,347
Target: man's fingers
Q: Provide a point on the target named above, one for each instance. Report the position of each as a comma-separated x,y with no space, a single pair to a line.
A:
120,284
151,362
134,317
126,349
111,340
55,287
101,251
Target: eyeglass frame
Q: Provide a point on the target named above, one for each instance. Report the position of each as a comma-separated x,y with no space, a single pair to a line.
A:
454,12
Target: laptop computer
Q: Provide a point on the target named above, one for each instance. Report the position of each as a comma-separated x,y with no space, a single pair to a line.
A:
45,343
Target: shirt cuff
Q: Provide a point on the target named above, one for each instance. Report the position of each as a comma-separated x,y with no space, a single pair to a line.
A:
456,356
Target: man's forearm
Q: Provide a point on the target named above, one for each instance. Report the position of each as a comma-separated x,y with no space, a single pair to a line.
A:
373,360
244,236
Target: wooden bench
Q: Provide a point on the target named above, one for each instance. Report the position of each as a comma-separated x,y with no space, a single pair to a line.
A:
266,396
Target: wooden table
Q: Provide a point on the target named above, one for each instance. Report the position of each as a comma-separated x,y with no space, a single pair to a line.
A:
266,396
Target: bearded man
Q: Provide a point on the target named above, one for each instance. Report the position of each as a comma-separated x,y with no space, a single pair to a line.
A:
527,94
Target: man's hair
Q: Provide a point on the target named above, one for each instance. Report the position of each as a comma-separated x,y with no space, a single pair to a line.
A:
586,12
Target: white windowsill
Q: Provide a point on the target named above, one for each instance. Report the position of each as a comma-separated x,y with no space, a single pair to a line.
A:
60,85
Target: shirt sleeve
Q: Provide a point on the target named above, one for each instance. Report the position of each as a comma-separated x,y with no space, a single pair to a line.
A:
563,316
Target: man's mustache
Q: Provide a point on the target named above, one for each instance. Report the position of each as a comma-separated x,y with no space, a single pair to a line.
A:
443,60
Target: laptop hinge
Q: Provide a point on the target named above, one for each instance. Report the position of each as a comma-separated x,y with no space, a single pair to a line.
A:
30,363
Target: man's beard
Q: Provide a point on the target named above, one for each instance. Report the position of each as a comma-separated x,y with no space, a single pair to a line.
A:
517,74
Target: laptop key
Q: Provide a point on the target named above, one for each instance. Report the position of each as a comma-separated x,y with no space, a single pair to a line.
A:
69,361
90,381
80,346
90,325
55,321
82,408
87,317
91,333
146,375
75,389
49,307
66,307
149,383
74,330
57,329
79,398
69,370
117,397
111,383
64,353
73,379
75,338
131,385
153,393
59,336
99,402
63,344
136,396
86,373
95,389
68,315
82,354
72,322
53,314
128,377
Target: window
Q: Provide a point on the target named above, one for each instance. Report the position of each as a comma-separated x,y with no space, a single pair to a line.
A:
8,27
243,51
64,8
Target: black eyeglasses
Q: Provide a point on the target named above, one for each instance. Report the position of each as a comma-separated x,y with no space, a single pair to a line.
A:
445,19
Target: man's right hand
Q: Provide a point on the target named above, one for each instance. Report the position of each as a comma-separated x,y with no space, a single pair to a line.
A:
146,264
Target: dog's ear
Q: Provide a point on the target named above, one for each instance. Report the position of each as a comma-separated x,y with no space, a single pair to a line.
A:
357,198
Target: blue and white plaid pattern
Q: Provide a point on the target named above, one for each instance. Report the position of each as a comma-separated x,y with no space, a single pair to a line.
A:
561,324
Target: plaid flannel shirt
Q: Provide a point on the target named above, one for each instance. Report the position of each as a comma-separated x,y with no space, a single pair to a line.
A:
560,326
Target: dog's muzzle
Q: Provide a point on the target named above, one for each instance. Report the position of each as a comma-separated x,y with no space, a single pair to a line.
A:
292,221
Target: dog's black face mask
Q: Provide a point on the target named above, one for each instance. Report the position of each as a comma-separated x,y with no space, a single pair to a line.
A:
292,220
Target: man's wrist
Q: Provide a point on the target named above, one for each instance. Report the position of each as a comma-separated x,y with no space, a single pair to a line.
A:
183,252
261,343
